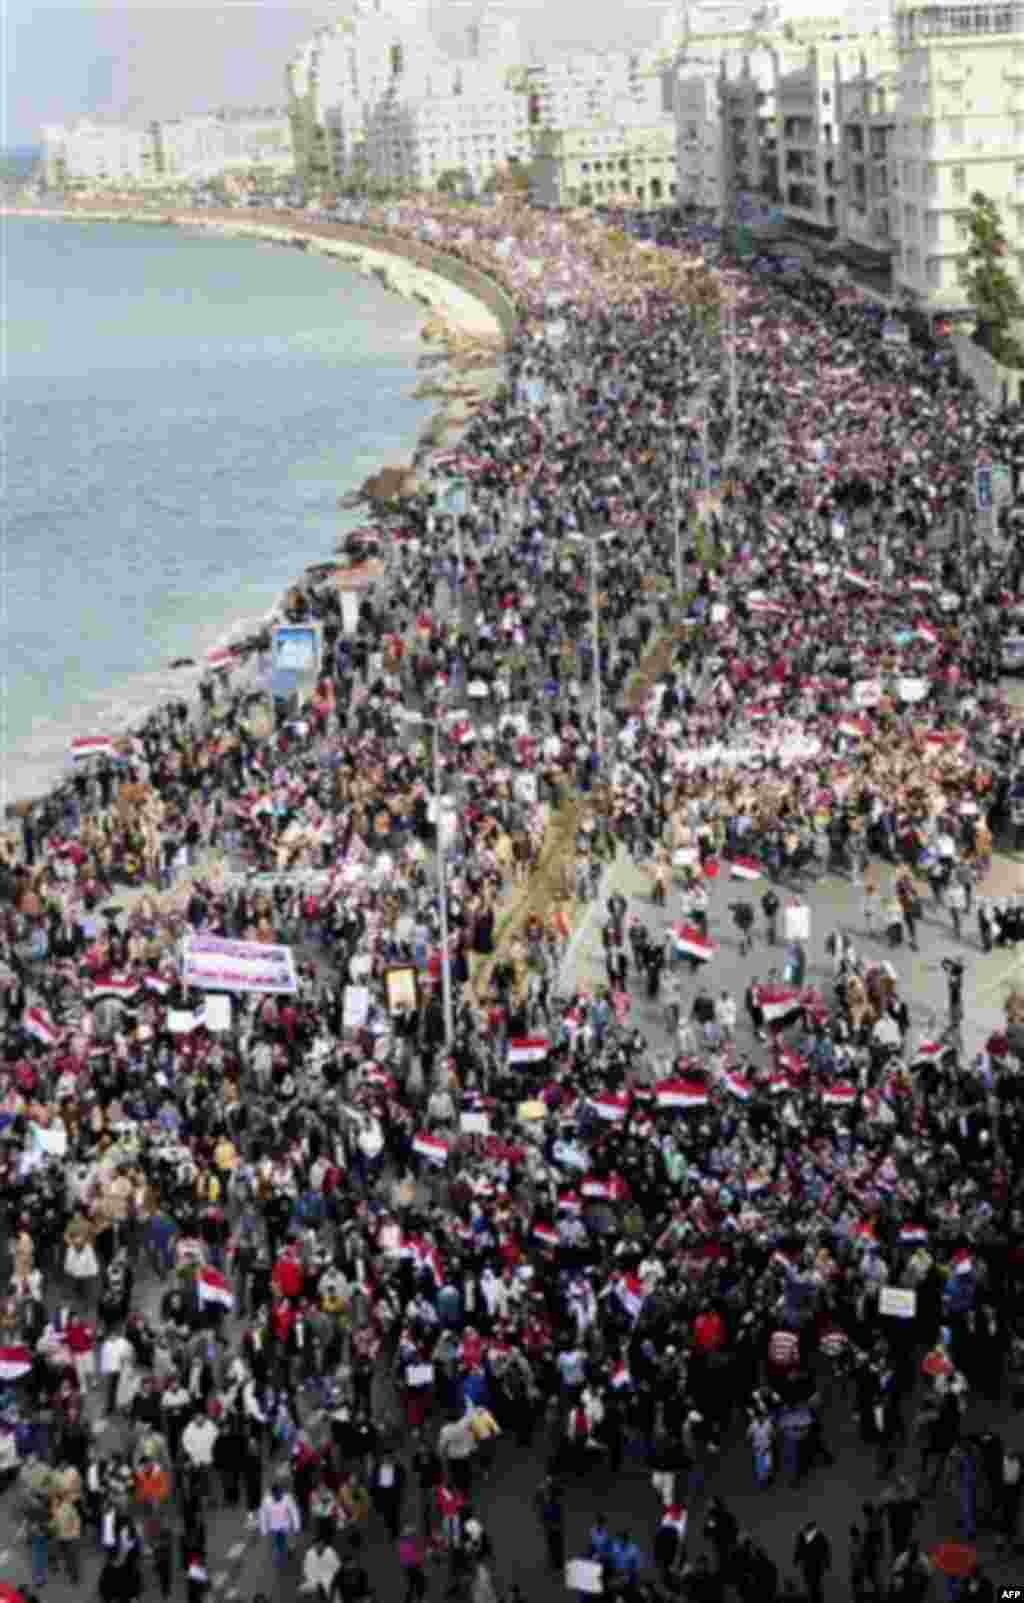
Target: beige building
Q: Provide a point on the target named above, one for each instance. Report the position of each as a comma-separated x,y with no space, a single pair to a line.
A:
611,165
959,128
867,124
100,154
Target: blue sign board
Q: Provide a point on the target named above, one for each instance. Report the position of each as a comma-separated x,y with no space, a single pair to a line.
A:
983,497
297,647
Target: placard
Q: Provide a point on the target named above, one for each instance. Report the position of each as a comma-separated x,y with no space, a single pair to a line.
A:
897,1302
357,1008
419,1374
182,1023
796,922
474,1124
214,964
585,1575
400,987
350,612
297,647
217,1014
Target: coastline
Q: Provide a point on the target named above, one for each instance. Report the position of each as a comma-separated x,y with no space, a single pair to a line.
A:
454,318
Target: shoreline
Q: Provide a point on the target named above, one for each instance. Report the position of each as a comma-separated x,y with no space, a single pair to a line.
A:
452,316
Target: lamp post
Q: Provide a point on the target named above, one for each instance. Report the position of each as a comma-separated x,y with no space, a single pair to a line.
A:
592,543
434,725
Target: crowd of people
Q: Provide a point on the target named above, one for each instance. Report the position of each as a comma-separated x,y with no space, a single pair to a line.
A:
325,1255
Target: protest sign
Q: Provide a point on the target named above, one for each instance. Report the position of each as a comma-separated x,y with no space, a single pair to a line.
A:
214,964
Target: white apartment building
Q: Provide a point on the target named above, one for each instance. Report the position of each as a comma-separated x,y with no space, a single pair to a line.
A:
198,148
614,164
373,97
576,91
959,128
105,154
700,135
752,54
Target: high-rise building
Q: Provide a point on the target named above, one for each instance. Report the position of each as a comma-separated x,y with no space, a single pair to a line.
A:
100,153
374,98
959,127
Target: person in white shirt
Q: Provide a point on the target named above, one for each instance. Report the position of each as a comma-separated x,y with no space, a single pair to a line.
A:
116,1353
319,1569
279,1519
198,1440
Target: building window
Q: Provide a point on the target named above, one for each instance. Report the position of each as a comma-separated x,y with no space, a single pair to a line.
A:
959,180
934,272
955,127
931,228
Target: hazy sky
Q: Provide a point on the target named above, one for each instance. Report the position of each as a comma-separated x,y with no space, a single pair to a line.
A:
152,59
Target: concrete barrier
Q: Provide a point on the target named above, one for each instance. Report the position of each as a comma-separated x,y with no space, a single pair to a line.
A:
997,385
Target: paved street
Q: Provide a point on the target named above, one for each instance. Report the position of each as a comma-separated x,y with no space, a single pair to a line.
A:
835,904
239,1560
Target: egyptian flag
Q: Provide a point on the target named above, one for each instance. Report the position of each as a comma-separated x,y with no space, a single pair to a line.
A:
15,1362
674,1517
610,1107
157,984
219,656
681,1094
621,1377
739,1087
547,1235
431,1147
766,609
855,728
833,1341
745,868
790,1061
430,1263
928,1052
526,1049
92,746
569,1202
913,1235
963,1263
840,1095
777,1002
118,987
613,1189
36,1021
864,1234
630,1292
692,943
857,579
925,632
213,1288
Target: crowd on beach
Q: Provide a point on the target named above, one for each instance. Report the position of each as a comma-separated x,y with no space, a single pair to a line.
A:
325,1255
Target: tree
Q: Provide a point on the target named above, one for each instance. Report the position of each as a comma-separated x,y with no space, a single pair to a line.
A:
989,287
512,179
453,181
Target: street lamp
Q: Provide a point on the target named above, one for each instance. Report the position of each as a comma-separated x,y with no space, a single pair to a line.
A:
592,542
434,725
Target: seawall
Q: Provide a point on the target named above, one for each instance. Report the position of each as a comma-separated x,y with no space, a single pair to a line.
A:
462,296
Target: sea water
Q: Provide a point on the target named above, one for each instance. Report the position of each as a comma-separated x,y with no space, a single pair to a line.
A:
182,413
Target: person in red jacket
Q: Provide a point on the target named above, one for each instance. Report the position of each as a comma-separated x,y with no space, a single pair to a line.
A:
289,1275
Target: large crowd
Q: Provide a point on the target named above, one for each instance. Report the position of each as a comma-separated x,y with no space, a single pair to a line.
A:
329,1252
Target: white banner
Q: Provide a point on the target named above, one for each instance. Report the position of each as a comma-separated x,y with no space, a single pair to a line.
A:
796,922
897,1302
912,689
350,611
357,1007
217,1017
867,692
214,964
